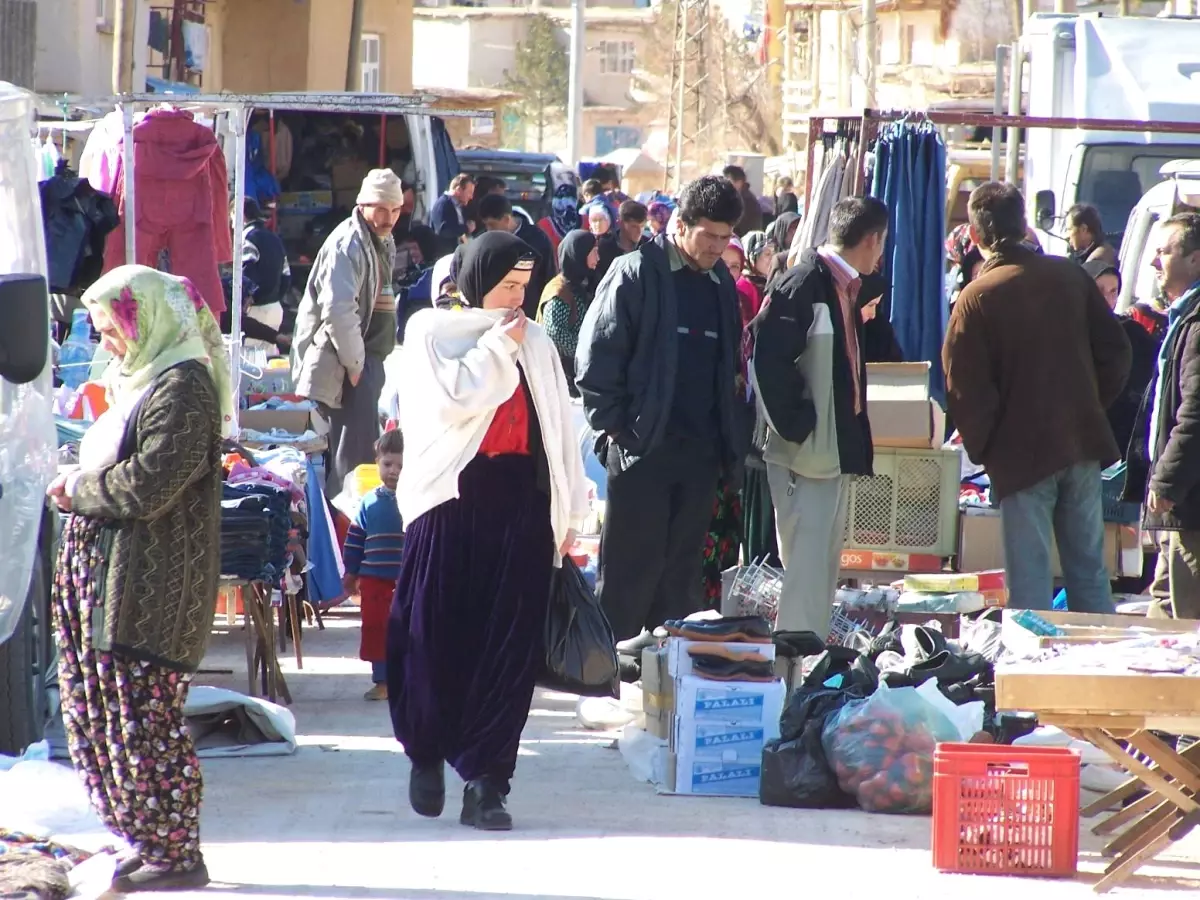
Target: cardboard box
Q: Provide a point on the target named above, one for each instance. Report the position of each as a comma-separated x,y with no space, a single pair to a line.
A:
703,702
722,741
981,546
348,174
953,582
901,411
886,561
304,203
714,778
658,693
679,662
292,421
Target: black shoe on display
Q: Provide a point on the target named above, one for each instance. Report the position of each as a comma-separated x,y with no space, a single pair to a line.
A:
148,879
427,790
728,629
484,806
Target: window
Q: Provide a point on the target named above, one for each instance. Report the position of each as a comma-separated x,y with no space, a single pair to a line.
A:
616,137
104,14
369,63
616,57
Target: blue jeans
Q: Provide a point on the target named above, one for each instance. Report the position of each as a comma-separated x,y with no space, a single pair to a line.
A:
1066,507
379,672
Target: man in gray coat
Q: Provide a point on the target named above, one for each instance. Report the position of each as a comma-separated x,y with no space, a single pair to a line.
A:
346,325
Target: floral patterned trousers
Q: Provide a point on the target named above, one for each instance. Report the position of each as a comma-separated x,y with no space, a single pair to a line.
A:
124,721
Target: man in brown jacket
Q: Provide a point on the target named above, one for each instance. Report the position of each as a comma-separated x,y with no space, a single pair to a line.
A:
1033,358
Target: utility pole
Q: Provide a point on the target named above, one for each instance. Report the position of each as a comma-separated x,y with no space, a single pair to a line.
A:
688,118
575,87
353,62
870,44
124,25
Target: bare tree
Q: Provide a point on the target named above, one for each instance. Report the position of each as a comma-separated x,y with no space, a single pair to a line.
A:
981,25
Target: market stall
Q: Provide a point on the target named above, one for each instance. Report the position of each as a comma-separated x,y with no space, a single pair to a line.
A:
1118,684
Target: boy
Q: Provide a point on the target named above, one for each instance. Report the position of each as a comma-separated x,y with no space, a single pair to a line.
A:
373,551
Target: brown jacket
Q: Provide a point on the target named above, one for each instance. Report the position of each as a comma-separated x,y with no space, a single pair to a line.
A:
164,505
1033,358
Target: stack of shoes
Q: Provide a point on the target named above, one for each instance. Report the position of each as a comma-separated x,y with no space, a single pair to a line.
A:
712,656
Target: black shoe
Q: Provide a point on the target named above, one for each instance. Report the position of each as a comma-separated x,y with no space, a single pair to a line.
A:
127,865
484,807
635,645
714,668
797,644
427,790
730,629
148,879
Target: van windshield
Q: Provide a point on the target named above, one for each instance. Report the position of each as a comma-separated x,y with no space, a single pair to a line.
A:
1115,176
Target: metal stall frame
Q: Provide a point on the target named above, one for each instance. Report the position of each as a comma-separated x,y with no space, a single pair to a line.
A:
869,121
239,108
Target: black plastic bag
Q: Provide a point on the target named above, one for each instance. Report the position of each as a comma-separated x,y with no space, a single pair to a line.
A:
795,770
581,654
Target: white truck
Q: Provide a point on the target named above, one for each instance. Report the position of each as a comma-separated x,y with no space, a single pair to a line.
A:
28,445
1096,67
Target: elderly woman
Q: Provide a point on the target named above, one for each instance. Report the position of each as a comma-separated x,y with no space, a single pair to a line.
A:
492,493
138,568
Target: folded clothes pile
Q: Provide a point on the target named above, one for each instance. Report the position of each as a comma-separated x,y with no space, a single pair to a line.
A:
255,520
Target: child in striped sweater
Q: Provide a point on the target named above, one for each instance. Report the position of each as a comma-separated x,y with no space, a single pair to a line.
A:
372,554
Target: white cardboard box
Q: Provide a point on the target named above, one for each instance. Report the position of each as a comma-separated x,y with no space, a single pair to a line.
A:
679,663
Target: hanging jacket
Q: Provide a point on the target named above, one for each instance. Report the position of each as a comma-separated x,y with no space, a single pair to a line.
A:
76,219
182,196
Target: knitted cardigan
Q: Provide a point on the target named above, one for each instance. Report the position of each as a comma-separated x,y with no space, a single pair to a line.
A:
163,503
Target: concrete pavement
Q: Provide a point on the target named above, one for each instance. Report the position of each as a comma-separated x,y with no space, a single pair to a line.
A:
333,821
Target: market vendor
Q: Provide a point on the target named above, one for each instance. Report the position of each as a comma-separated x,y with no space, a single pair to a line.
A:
346,325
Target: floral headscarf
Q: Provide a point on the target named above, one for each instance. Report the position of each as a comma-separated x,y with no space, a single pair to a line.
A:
164,322
564,209
659,213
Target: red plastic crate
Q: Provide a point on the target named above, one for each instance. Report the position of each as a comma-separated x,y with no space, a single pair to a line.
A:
1000,810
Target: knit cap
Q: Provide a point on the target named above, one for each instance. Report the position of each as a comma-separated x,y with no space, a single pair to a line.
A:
381,187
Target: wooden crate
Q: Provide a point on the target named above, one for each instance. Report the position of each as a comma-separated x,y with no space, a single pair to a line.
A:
1088,628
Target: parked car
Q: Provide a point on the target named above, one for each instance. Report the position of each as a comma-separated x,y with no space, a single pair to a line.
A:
530,183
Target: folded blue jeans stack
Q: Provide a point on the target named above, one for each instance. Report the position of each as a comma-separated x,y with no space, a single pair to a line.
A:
255,520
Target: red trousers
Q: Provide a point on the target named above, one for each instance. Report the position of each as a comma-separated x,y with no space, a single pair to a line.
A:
376,597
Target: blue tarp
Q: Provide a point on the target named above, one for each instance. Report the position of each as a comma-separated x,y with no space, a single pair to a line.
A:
910,178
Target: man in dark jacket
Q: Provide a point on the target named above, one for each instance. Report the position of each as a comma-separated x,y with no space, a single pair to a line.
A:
657,367
496,214
625,238
1164,457
448,218
810,377
752,217
1033,359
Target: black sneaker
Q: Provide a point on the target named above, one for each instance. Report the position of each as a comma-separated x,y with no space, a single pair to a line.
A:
150,879
484,807
427,790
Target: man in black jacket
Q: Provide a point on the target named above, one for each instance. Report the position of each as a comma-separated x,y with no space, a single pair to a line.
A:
810,381
496,214
657,368
1164,458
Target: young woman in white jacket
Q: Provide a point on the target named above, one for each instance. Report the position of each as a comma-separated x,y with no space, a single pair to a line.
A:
492,493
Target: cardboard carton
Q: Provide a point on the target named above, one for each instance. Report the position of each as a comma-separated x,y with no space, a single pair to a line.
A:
900,409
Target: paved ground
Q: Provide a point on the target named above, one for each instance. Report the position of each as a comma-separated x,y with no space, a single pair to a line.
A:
333,822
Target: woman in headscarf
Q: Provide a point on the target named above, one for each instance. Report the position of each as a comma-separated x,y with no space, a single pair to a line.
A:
598,218
783,231
879,344
568,295
138,569
492,493
760,253
657,216
564,214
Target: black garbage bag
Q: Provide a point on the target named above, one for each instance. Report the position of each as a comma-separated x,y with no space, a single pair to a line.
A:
581,655
795,770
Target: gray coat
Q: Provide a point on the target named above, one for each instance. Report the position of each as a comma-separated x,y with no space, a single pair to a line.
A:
335,311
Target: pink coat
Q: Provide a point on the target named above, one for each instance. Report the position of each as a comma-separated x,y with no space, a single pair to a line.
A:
182,198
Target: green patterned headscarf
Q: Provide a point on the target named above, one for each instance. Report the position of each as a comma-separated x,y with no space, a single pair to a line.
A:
164,322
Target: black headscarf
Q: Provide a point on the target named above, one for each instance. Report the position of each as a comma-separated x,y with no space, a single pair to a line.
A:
778,232
572,262
487,260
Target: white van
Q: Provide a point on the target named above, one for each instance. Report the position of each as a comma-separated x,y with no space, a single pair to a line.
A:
1177,192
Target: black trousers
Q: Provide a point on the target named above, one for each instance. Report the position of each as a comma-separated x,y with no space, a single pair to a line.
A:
652,544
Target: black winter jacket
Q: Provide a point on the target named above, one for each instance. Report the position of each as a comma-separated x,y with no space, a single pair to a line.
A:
782,336
1175,472
628,351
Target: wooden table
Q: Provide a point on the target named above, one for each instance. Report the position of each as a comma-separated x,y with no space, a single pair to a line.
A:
262,657
1118,713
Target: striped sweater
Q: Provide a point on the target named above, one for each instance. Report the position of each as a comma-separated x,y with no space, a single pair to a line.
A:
375,540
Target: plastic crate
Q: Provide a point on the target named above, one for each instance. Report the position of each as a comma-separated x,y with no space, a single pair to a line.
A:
1115,509
1000,810
910,505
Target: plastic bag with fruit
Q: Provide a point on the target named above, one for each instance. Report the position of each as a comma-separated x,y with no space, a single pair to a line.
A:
881,749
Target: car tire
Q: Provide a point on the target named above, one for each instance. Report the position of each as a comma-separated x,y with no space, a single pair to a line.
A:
24,660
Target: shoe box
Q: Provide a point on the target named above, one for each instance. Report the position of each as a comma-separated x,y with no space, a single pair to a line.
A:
679,661
658,693
719,734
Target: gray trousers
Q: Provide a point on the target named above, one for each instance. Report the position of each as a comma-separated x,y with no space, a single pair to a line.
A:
354,428
810,516
1176,585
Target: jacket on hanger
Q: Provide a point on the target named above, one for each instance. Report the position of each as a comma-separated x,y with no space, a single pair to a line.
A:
76,219
182,202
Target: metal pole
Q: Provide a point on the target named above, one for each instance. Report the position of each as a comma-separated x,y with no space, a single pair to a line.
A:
681,48
238,120
129,185
575,86
1002,53
1016,71
353,62
870,52
124,21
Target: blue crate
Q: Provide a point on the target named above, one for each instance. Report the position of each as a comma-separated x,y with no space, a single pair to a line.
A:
1115,509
